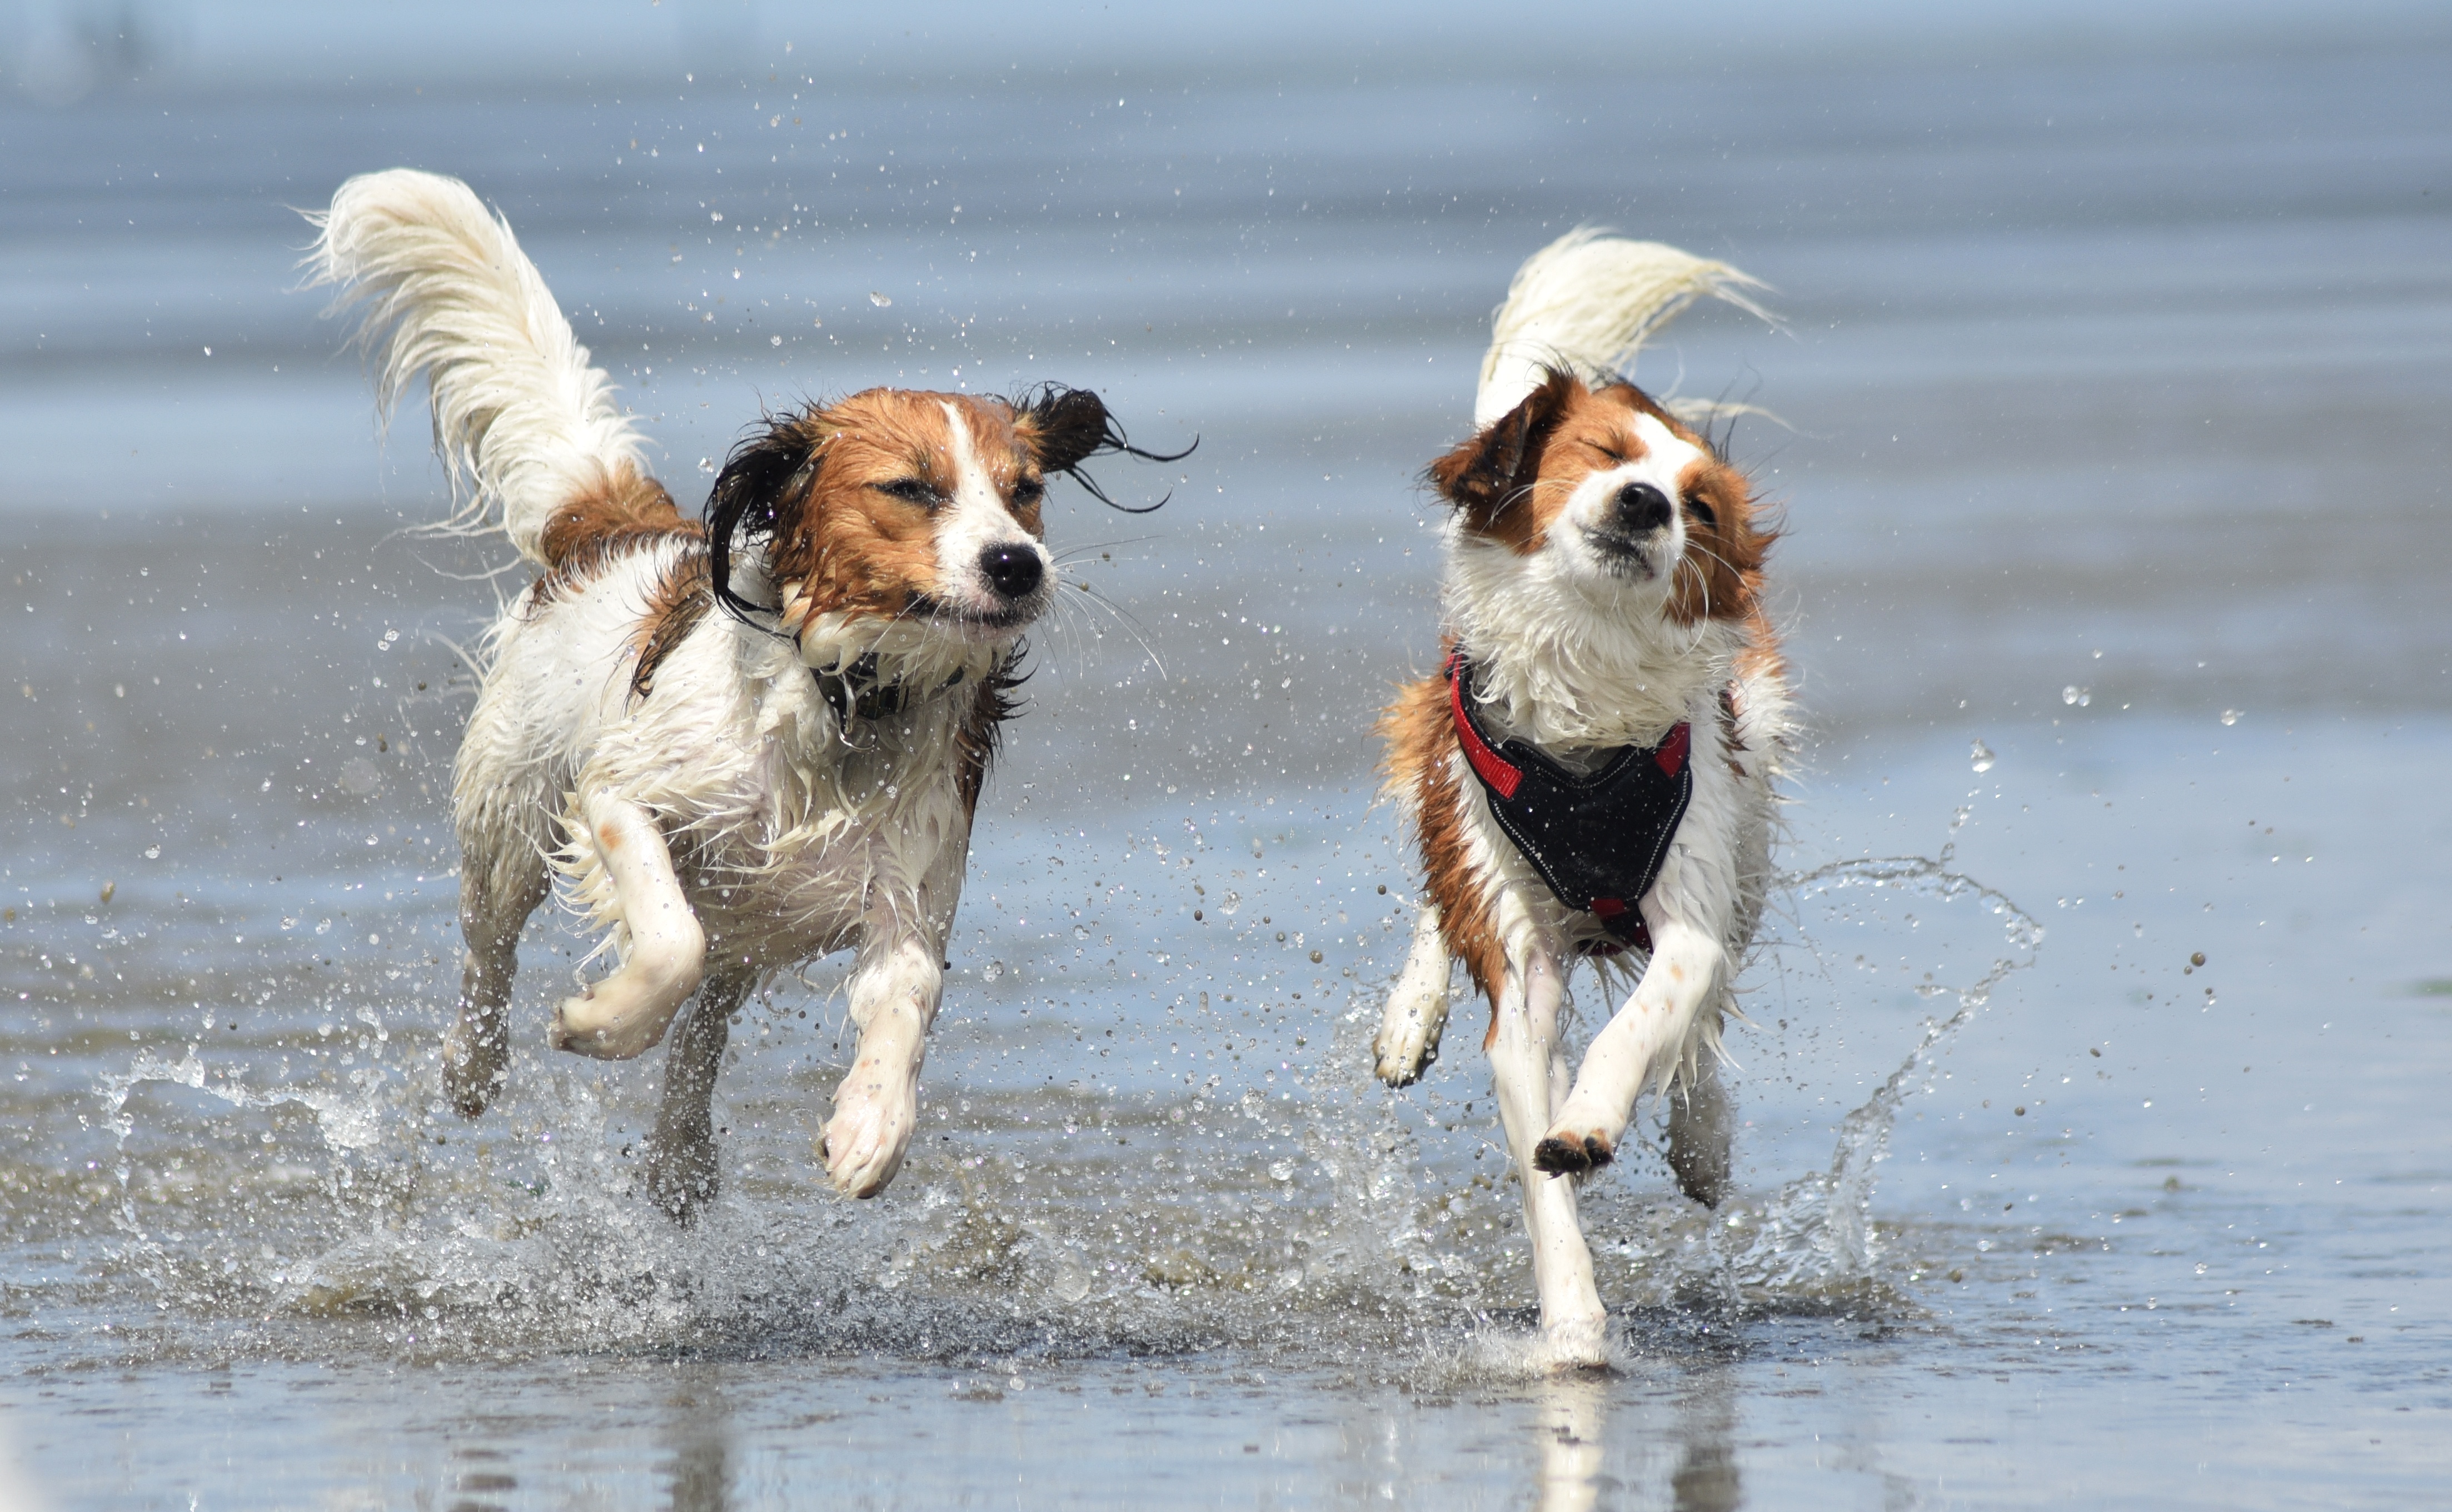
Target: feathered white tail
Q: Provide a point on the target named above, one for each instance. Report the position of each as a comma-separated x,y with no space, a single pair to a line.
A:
520,417
1587,302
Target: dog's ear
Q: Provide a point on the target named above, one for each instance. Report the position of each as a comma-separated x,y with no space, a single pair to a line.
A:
1065,427
765,479
1492,471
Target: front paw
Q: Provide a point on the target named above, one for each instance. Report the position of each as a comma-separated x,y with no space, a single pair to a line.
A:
608,1022
1408,1042
1569,1152
1401,1053
476,1062
865,1141
682,1177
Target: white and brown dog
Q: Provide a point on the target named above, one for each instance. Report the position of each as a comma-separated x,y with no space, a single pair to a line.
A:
1592,771
743,742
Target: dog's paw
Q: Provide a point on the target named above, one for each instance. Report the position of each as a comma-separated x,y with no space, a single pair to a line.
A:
1402,1052
613,1020
1565,1152
476,1062
1408,1042
681,1178
873,1115
1576,1343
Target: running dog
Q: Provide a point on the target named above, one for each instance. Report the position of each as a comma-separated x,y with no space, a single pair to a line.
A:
742,743
1593,769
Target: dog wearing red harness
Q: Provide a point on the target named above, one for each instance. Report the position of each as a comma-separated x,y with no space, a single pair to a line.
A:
1592,772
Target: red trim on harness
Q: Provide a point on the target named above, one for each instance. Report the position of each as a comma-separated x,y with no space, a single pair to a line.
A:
1671,754
1494,770
1609,910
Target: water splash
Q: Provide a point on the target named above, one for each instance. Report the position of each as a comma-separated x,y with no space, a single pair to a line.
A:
1817,1233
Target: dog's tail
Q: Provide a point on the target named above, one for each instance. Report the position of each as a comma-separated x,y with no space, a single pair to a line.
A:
1585,303
529,429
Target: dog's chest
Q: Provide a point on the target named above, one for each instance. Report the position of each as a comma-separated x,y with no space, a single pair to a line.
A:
835,831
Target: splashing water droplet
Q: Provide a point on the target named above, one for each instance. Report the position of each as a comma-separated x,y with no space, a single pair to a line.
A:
992,972
880,301
1981,756
2230,715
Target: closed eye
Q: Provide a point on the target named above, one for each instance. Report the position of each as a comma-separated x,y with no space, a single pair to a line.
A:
912,491
1615,457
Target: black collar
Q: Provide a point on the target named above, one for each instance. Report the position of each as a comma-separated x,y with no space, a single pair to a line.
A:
855,690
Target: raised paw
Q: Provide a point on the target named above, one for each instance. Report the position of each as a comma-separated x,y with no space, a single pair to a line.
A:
1404,1050
863,1143
1572,1154
617,1019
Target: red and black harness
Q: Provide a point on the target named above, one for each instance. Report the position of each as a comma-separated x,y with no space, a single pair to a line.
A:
1597,841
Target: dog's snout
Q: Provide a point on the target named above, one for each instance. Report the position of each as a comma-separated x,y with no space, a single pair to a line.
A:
1641,508
1014,571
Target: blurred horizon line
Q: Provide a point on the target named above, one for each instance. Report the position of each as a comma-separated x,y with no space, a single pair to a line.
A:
58,52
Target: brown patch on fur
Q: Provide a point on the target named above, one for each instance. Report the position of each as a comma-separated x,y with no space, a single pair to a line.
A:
1420,765
1720,576
625,510
1513,477
1494,477
680,600
855,549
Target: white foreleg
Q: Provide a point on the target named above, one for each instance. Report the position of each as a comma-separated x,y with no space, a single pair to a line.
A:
1640,1044
895,991
626,1013
1528,1067
1416,1013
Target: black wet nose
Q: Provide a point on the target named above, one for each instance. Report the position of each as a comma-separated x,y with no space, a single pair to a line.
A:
1012,571
1641,508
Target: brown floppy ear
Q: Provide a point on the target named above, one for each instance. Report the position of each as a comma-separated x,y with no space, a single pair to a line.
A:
1487,476
1065,427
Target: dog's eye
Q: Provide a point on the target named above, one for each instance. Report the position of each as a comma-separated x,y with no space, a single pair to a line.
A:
1702,511
1614,456
1029,491
912,491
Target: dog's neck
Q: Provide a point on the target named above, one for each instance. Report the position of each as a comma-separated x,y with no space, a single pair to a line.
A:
867,653
1560,670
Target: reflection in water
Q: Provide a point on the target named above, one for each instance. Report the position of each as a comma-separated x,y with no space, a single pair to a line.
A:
1707,1478
696,1436
1572,1422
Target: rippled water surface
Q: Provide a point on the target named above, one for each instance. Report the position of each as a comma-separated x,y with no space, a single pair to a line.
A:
2094,1150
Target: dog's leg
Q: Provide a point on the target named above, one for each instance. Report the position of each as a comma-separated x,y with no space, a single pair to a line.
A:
681,1172
1634,1047
895,991
626,1012
1417,1010
1527,1064
503,878
1699,1133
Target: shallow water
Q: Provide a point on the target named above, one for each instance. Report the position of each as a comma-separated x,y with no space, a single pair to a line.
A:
2112,451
